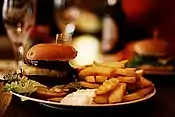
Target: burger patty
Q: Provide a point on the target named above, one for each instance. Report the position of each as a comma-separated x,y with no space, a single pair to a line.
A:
47,64
49,77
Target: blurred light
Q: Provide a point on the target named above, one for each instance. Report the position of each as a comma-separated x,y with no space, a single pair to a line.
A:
112,2
88,22
4,9
19,29
29,10
72,12
88,50
59,3
70,28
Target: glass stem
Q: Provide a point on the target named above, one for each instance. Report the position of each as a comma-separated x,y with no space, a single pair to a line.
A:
19,55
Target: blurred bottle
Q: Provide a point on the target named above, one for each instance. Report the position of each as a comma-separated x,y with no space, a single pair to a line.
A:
46,15
45,28
113,27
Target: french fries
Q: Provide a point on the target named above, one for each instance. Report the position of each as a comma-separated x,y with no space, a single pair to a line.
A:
96,70
97,79
107,86
101,99
90,79
117,94
89,85
126,79
144,82
139,74
138,94
101,79
125,72
114,83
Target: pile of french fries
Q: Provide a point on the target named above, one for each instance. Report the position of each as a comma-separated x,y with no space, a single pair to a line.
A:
114,83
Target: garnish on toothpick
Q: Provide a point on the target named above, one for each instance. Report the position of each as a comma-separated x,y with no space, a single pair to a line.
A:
59,38
63,38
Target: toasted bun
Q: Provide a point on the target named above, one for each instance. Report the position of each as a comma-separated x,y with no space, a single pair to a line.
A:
151,47
51,51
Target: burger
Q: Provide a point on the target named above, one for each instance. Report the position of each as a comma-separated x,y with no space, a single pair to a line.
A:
49,65
151,55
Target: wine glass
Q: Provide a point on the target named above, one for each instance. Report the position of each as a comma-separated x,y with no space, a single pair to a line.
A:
18,17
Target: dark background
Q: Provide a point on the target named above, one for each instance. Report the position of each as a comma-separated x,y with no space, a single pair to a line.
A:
142,17
2,30
131,31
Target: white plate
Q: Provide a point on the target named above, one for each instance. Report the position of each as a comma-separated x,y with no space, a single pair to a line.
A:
88,105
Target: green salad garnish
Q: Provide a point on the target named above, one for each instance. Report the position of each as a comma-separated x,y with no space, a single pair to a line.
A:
20,84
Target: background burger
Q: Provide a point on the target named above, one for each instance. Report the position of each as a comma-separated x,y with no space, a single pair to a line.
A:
49,65
151,55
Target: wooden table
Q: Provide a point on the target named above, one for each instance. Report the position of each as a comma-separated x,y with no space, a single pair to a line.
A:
161,105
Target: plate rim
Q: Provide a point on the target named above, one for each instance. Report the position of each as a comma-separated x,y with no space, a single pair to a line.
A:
87,105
